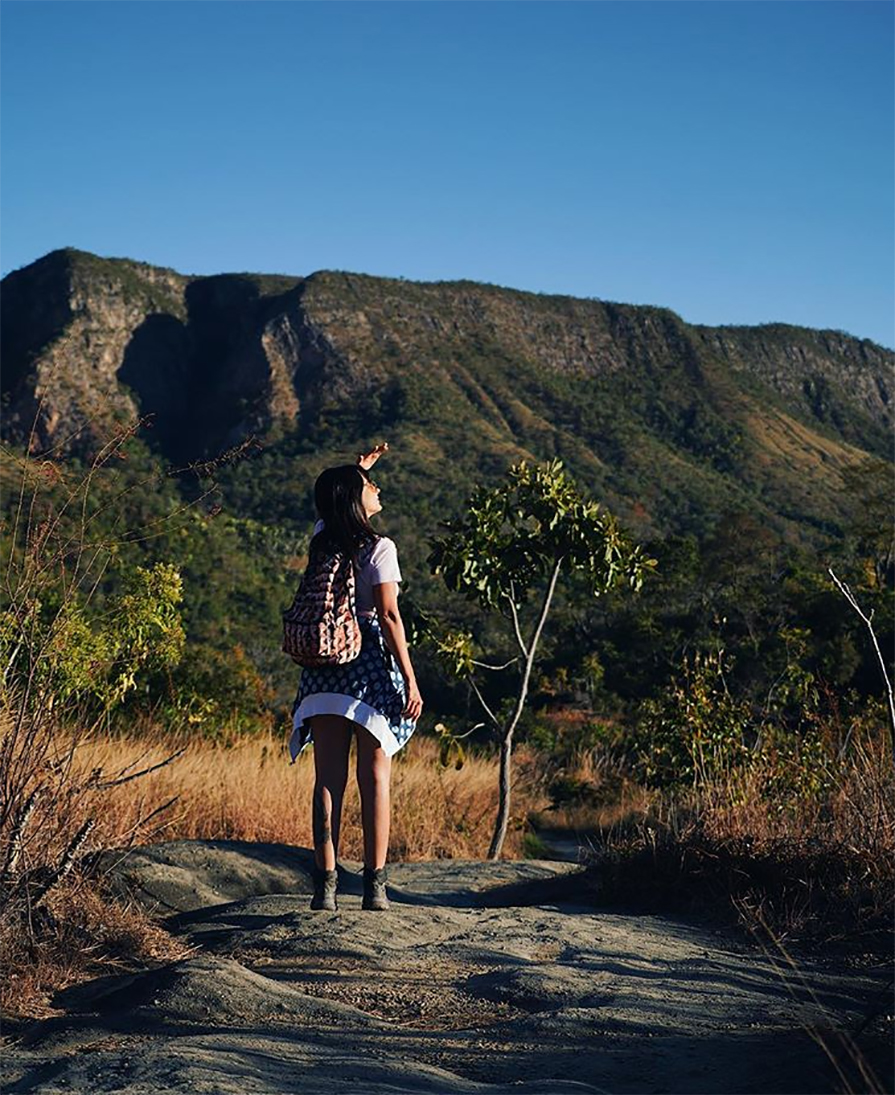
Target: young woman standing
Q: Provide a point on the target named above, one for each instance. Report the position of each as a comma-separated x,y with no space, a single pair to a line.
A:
375,697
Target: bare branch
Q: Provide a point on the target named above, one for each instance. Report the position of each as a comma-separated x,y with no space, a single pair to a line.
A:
515,615
15,837
141,821
471,730
484,704
144,772
533,646
496,668
545,607
65,863
850,597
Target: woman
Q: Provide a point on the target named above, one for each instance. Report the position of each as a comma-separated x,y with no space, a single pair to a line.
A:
375,697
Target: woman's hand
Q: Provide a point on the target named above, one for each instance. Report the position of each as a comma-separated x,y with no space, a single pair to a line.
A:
368,459
414,706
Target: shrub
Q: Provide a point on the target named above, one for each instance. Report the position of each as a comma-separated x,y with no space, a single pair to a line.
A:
696,731
74,645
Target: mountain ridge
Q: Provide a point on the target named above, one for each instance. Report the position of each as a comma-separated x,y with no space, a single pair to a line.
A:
648,409
138,265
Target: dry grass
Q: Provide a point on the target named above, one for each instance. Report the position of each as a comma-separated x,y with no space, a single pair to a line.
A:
244,790
248,790
813,868
818,868
78,934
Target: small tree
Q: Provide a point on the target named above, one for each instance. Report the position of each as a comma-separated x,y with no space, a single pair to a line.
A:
507,553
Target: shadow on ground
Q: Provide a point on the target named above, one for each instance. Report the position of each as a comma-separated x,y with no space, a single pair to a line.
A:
482,977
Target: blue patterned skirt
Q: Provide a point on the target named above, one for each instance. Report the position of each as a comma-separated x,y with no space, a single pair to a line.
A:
369,691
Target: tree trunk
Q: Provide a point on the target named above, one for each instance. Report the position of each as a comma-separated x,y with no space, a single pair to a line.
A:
506,743
503,806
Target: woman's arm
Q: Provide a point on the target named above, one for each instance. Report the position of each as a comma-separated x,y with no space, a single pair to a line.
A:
385,596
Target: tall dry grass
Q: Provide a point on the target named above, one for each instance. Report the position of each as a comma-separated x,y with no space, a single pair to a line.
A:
199,790
814,868
248,790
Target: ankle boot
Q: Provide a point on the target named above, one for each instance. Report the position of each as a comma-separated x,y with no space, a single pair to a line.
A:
324,890
374,889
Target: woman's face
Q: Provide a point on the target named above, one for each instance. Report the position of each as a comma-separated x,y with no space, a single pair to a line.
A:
370,498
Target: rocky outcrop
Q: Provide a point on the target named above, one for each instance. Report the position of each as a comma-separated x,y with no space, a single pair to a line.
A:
73,330
90,342
485,978
819,373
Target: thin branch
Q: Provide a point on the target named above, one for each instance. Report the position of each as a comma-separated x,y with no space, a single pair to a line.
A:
148,838
533,646
134,763
65,863
62,445
825,1035
850,597
471,730
514,613
15,837
112,858
545,608
144,772
484,704
141,821
496,668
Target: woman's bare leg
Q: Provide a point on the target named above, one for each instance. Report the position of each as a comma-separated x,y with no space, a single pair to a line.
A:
332,740
374,770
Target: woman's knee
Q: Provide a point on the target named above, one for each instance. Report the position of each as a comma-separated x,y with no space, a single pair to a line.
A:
381,767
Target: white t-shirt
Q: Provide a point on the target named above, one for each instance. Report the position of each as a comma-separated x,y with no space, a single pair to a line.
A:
375,568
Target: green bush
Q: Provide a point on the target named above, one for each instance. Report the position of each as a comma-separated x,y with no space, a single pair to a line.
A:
696,731
218,694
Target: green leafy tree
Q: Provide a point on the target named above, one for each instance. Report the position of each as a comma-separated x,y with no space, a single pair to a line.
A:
506,554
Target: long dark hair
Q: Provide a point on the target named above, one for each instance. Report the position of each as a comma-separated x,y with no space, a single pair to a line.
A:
338,496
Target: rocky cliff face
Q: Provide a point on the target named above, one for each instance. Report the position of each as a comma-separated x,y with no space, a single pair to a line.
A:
88,342
72,328
813,370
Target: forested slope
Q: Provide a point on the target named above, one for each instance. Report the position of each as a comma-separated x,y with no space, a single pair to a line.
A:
739,435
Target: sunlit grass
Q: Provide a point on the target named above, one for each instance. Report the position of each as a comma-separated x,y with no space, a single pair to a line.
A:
818,868
249,791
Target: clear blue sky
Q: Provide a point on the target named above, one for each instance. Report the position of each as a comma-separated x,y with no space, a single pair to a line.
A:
730,160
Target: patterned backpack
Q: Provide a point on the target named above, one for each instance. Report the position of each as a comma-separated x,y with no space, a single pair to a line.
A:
321,627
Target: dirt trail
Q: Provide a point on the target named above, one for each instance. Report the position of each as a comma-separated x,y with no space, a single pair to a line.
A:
482,977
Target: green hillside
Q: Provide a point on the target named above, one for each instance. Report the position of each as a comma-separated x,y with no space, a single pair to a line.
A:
689,434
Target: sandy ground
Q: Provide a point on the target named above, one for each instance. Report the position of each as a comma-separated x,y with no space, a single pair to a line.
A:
483,977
